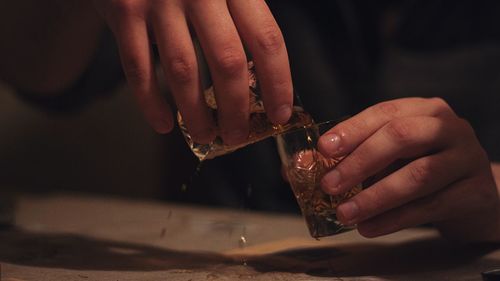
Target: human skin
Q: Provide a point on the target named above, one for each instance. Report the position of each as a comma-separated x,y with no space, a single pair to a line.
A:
51,43
443,177
223,29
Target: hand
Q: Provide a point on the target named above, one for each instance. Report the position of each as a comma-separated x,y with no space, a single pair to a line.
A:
223,28
445,177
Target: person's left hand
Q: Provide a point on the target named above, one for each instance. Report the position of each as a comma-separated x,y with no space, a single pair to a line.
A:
428,167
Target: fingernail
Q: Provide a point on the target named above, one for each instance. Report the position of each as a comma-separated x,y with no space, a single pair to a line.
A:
163,126
331,181
282,114
236,137
331,144
348,212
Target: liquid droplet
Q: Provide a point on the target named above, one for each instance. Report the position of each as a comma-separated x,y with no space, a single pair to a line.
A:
198,168
196,173
242,241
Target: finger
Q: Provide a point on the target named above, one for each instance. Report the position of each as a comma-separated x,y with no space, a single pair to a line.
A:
347,135
458,201
264,40
131,35
178,58
226,58
419,178
399,139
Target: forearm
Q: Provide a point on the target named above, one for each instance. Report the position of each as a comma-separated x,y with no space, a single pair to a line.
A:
46,45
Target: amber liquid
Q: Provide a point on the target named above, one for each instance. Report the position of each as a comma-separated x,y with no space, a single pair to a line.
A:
260,128
318,208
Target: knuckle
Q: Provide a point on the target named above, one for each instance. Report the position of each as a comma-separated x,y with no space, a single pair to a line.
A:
352,127
465,126
441,106
231,62
440,103
271,41
399,131
182,70
469,140
419,173
388,109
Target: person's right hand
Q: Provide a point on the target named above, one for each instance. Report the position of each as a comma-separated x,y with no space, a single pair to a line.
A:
223,28
424,164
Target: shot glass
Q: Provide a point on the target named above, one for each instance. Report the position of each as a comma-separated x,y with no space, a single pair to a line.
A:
305,166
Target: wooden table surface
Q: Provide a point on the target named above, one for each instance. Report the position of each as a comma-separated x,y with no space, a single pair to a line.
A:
68,237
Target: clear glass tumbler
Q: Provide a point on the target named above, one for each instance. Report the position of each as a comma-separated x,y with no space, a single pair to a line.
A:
305,166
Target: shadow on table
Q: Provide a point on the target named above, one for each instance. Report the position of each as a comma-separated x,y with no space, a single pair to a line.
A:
367,258
78,252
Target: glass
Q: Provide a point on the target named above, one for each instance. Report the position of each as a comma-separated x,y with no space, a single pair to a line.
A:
305,167
260,126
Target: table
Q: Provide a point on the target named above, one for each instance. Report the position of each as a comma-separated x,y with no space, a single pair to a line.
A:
81,237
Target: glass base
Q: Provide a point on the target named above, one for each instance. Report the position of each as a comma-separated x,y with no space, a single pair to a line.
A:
325,225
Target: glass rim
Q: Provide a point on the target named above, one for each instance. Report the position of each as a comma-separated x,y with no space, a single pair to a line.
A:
332,122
